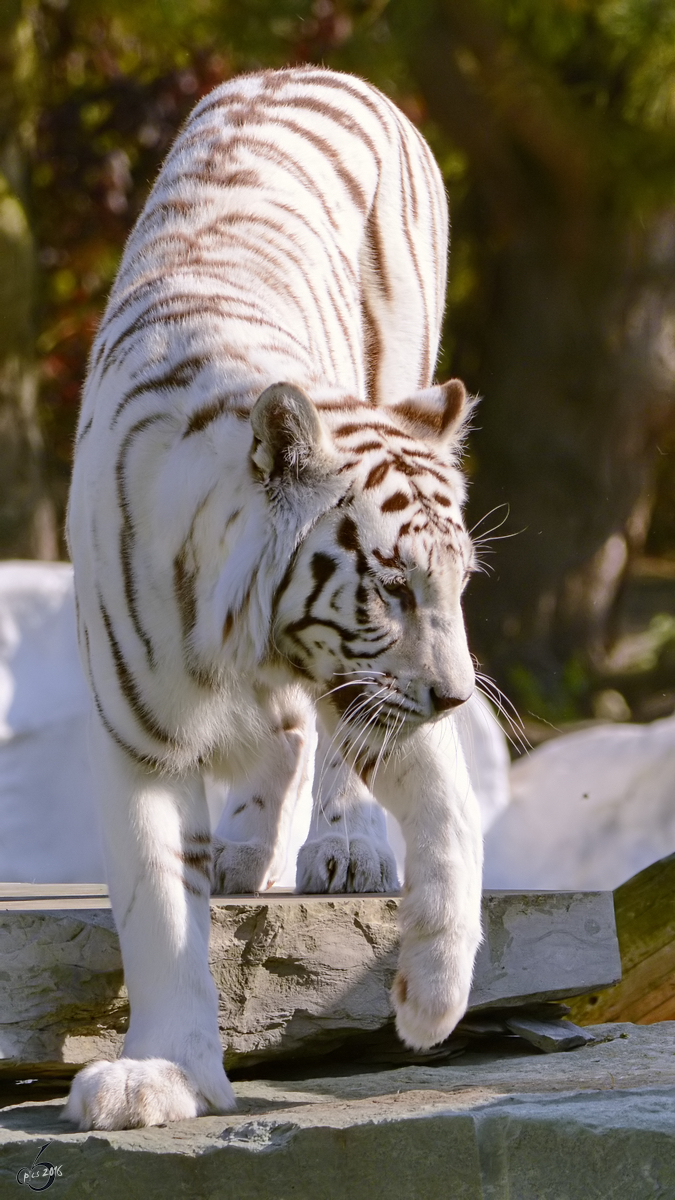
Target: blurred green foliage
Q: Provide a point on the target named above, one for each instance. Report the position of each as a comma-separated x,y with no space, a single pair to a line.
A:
593,80
565,698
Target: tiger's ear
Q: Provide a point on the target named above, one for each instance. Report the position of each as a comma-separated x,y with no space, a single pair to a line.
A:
438,413
288,436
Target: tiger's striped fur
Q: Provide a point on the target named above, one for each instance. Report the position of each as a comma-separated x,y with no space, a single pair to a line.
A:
249,552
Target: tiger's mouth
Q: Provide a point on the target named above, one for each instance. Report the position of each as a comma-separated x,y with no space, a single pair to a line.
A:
374,714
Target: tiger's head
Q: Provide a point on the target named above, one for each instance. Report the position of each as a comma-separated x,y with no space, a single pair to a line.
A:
369,609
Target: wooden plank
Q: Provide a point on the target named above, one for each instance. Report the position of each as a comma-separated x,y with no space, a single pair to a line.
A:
645,922
50,891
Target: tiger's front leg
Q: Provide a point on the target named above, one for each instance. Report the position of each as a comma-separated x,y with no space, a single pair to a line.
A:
346,849
158,851
426,786
251,838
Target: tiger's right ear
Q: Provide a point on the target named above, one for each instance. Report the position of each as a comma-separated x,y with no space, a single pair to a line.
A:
289,437
439,413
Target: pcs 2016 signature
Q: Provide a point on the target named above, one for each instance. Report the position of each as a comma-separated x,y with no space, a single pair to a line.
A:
40,1175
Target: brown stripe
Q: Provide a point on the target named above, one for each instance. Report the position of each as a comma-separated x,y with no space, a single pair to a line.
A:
129,689
426,366
329,80
142,760
184,591
211,306
201,838
181,375
217,103
230,179
205,416
341,118
256,249
308,228
347,430
411,177
282,158
162,206
378,255
198,860
340,406
128,533
396,502
372,349
197,306
377,475
130,296
330,154
84,431
258,108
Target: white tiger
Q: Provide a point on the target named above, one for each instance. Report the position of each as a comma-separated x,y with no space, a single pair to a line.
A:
265,521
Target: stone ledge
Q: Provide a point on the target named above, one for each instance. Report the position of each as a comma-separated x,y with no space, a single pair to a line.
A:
296,975
594,1123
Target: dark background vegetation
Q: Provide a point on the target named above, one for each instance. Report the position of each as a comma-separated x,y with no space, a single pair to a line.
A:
554,124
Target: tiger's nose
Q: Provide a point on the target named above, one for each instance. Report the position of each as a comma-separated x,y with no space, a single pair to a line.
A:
441,704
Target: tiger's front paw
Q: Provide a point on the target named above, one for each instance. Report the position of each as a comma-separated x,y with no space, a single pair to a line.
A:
431,988
131,1092
333,864
239,868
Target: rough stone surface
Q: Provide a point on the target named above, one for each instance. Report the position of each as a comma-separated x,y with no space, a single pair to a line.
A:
598,1122
295,974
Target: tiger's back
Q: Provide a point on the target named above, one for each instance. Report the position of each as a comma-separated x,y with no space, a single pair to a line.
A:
299,220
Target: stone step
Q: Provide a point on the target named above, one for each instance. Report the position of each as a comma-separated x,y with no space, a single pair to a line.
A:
297,975
597,1122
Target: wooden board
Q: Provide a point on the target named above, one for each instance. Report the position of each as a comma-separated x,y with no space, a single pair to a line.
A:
645,921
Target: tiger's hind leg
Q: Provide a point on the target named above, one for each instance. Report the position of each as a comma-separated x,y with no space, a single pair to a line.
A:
158,852
347,848
251,838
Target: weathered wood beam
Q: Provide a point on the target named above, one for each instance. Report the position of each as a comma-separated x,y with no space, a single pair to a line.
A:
645,923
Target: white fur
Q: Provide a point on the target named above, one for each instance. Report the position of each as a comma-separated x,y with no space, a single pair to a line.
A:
128,1093
265,502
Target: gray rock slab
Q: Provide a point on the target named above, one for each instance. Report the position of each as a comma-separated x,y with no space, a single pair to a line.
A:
295,974
594,1124
549,1036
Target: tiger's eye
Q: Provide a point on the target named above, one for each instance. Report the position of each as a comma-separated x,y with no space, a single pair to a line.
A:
398,588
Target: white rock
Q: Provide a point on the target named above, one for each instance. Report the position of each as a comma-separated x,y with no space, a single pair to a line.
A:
588,810
41,680
48,825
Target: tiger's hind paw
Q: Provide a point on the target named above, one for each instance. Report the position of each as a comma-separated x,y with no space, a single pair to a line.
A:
332,864
131,1093
239,868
